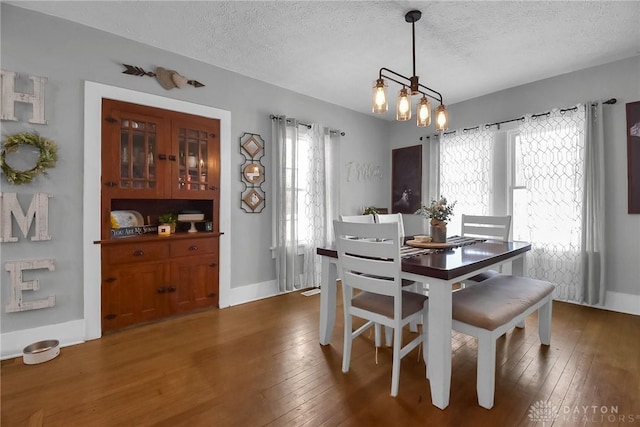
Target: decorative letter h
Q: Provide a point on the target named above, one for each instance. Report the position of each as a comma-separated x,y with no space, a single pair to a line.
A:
9,96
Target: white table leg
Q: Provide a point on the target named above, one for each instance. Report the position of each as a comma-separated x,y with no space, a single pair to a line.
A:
328,291
439,359
518,266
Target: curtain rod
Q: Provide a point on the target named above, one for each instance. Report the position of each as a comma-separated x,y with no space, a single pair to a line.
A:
274,117
488,125
563,110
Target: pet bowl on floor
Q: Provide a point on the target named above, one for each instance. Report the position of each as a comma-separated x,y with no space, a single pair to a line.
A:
40,352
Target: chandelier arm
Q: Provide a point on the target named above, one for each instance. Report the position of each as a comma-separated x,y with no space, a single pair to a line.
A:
408,83
394,73
438,98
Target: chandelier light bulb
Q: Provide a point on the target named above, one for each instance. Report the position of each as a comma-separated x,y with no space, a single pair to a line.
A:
424,113
380,104
442,118
403,111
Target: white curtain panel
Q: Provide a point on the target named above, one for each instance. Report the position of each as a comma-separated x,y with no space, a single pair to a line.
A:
285,137
305,187
319,199
553,152
593,217
465,173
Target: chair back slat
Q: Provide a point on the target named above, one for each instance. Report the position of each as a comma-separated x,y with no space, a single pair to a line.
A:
368,219
372,266
372,246
370,284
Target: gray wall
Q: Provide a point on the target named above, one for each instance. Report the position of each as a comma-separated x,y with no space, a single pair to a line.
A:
68,54
619,80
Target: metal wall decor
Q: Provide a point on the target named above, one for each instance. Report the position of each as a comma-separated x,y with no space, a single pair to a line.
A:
252,197
168,79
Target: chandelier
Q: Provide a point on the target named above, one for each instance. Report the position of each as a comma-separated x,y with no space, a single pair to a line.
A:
410,87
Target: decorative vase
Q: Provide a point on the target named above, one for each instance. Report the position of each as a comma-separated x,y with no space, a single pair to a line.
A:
439,233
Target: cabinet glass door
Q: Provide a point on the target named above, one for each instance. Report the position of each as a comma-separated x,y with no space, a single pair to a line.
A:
138,145
193,164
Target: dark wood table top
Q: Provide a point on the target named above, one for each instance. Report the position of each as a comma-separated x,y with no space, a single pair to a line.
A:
452,263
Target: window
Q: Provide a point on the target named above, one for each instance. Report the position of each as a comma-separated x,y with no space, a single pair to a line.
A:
519,218
465,173
547,165
298,191
544,188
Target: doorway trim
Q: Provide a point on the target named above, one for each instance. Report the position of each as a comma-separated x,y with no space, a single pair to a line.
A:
93,94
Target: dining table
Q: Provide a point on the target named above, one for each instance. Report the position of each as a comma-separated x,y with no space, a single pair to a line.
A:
437,270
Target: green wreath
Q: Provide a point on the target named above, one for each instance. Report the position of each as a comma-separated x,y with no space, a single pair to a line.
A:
47,159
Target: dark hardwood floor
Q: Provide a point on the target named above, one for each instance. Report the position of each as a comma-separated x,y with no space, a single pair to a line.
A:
260,364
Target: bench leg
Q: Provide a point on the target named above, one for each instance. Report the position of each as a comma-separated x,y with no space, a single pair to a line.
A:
486,380
520,324
544,322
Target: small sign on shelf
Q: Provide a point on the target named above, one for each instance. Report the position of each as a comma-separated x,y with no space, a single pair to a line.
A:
119,233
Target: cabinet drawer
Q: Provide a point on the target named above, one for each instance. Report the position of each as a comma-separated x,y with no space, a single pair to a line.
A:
137,252
193,247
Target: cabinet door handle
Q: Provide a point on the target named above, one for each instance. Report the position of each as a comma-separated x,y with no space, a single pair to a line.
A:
162,290
110,316
138,252
172,158
110,279
213,188
213,264
171,289
162,157
110,184
193,248
212,295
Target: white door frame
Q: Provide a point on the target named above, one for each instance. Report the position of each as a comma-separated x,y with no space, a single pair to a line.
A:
93,94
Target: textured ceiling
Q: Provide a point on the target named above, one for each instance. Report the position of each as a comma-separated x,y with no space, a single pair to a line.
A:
332,50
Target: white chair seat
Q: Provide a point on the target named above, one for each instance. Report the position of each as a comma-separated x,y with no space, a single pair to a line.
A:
383,304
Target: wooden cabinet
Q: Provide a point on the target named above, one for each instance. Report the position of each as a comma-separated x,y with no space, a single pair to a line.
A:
145,280
157,161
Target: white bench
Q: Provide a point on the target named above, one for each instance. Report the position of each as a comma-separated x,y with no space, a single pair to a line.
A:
489,309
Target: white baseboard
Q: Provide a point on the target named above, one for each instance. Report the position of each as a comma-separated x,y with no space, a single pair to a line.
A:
69,333
257,291
623,303
616,301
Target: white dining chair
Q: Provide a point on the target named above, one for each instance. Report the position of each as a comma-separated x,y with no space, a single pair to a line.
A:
366,219
395,217
486,227
371,264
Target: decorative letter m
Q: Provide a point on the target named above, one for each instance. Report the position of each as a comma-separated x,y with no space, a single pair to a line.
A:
38,209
